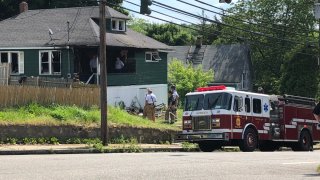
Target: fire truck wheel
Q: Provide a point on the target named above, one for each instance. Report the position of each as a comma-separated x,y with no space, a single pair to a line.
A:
305,142
250,141
206,146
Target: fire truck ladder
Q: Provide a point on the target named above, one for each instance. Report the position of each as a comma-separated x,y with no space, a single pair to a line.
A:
298,100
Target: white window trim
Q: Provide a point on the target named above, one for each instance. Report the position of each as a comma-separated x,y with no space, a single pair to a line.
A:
50,63
20,61
118,24
153,54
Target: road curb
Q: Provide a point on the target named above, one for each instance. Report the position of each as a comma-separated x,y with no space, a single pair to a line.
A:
49,151
111,150
93,150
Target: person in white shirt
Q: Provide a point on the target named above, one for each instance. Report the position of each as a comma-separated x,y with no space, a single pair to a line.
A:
149,107
118,65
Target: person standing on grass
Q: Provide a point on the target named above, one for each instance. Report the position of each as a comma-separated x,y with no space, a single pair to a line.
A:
169,111
149,107
175,101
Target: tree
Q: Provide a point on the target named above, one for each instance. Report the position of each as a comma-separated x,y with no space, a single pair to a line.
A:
300,74
138,25
170,34
187,78
273,29
8,8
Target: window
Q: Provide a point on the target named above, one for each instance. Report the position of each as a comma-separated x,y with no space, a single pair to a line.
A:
247,104
14,62
237,105
4,57
118,25
15,59
194,102
50,62
152,57
217,101
257,106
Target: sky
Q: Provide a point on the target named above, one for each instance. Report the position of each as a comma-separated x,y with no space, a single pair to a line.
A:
180,6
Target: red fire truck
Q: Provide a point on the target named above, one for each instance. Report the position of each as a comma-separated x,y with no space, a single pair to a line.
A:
217,116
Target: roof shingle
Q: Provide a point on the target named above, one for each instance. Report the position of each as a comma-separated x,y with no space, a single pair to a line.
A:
31,29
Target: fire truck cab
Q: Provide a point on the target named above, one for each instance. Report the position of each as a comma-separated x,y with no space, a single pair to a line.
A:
217,116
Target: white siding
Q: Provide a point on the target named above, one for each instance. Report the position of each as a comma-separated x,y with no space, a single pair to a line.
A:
127,94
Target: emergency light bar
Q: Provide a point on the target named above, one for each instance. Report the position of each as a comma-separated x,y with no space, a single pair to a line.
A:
211,88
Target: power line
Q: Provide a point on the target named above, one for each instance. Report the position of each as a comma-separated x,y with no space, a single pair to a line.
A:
231,37
257,20
231,26
154,17
158,12
240,20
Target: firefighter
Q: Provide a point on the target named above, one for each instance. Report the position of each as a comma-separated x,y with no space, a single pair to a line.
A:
169,116
149,107
175,101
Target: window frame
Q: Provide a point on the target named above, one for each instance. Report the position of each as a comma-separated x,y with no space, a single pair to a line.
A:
20,60
247,102
238,103
153,55
118,23
50,62
254,108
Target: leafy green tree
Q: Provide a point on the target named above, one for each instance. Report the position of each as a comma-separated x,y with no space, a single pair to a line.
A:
138,25
186,78
300,73
170,34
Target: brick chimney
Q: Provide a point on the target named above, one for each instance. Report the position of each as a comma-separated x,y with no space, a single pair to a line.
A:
23,6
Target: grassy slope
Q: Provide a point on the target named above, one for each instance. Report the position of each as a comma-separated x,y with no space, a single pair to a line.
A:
66,115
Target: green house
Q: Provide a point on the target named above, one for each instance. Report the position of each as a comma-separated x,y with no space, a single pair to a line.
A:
59,43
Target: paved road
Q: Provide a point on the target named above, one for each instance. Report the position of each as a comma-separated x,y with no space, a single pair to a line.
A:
217,165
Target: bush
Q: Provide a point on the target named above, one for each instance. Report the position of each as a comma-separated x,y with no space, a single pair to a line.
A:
187,78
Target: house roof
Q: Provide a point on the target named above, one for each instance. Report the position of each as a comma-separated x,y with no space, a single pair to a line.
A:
31,29
227,61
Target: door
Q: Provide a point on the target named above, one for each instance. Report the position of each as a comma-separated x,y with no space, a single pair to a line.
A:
238,117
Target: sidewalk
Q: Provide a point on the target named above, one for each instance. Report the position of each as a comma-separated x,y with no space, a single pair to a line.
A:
6,149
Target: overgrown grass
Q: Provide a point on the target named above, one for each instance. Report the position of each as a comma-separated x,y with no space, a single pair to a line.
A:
35,114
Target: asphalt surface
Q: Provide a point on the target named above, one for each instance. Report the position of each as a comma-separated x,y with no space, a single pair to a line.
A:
286,165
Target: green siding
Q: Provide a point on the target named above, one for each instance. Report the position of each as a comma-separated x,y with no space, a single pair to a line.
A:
146,72
31,62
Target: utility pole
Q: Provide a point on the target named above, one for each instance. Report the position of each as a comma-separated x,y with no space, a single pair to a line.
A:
103,73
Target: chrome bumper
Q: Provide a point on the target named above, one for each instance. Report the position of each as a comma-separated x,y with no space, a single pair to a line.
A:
194,137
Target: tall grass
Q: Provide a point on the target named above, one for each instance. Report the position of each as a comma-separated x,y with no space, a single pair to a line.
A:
35,114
